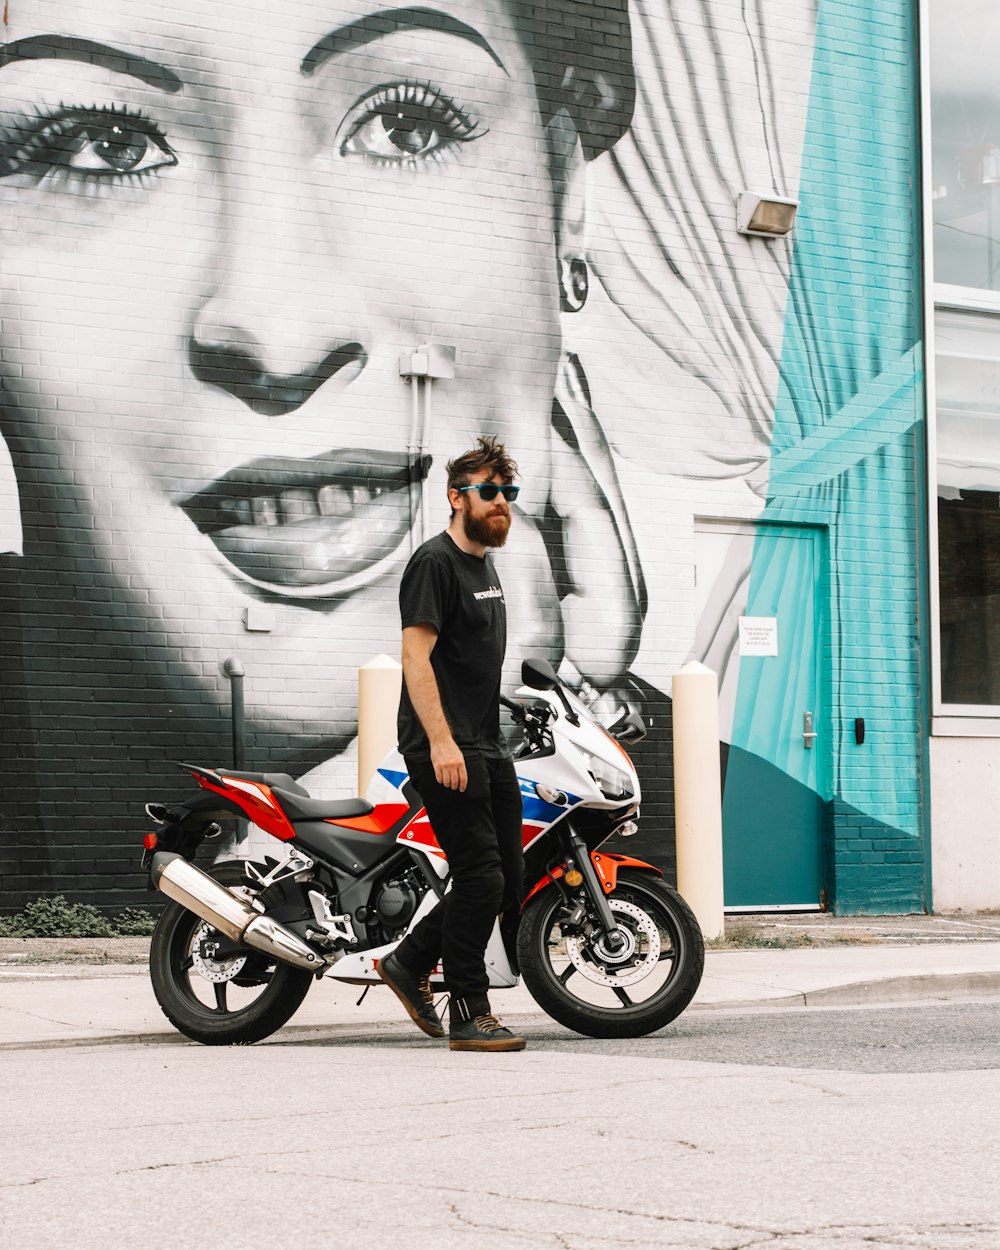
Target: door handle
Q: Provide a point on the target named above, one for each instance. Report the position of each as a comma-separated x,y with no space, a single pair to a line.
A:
808,735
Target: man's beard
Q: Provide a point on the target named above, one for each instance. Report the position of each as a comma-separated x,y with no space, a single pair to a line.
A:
490,531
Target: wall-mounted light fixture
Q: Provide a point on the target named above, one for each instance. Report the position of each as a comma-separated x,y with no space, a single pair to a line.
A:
769,215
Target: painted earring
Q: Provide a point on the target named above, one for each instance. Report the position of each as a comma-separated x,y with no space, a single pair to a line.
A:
574,283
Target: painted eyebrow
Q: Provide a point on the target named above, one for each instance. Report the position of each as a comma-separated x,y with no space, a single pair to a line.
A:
68,48
377,25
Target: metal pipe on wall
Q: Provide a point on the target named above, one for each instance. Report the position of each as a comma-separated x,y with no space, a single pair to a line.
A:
234,670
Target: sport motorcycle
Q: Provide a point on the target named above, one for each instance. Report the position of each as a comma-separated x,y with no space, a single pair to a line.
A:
605,946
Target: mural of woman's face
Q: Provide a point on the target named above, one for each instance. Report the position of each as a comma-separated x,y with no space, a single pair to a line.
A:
208,279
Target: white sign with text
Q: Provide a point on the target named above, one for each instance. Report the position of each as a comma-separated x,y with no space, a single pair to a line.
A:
758,635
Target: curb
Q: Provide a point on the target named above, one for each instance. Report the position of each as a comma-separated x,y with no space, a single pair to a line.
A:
886,991
918,987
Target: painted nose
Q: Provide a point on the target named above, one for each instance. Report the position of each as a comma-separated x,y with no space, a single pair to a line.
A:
284,317
241,370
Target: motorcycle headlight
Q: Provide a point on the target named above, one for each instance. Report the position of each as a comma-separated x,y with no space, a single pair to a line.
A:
612,781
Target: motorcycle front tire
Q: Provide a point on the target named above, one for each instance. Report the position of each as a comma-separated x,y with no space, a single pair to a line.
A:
549,974
282,987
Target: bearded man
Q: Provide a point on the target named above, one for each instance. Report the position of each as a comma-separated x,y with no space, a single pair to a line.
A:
454,637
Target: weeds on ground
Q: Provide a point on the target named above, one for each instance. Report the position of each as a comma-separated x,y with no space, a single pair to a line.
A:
55,917
743,935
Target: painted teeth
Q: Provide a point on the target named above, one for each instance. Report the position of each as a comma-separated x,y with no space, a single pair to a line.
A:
297,505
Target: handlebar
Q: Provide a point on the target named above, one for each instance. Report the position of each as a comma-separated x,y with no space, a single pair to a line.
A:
515,709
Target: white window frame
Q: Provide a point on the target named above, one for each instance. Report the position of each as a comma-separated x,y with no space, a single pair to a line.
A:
947,719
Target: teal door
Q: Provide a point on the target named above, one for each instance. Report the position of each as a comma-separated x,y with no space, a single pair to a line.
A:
772,708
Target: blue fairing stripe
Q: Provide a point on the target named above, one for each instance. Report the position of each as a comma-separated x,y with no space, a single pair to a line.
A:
393,778
536,808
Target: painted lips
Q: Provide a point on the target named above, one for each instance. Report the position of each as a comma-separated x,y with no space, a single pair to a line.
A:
309,527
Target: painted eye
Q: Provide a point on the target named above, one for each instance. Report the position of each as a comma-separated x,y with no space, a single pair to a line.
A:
394,130
90,143
407,122
112,147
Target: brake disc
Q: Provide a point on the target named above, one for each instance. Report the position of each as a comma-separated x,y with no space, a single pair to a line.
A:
214,970
633,961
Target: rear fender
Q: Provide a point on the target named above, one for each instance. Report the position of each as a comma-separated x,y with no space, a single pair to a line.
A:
184,826
607,866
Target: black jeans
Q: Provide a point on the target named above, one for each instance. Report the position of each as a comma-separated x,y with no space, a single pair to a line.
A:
480,832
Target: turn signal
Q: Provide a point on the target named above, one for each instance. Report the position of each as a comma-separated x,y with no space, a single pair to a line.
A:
574,878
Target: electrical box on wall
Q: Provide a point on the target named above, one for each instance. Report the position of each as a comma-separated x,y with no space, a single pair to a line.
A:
258,619
432,360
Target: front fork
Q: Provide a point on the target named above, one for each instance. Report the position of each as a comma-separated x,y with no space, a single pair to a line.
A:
592,883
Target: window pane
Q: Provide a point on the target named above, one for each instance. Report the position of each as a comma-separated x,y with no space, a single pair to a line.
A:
965,120
968,426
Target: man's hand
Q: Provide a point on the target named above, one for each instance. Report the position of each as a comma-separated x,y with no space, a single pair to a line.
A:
449,765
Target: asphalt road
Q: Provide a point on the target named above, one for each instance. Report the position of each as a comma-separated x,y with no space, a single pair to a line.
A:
804,1129
951,1037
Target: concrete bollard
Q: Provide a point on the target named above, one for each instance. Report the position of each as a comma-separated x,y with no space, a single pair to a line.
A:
698,795
379,684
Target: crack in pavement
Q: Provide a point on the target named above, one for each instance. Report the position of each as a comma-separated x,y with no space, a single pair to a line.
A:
250,1155
880,1236
548,1201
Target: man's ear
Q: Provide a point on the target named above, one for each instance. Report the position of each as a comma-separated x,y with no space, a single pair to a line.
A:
569,181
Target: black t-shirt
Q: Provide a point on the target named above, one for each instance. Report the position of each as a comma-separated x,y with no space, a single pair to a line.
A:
460,595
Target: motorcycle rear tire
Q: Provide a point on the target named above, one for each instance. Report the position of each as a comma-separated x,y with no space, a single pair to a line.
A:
676,923
283,990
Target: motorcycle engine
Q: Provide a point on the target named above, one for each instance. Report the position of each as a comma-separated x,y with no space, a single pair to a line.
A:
396,901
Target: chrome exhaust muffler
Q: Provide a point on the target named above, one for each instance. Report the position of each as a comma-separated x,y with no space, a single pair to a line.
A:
231,915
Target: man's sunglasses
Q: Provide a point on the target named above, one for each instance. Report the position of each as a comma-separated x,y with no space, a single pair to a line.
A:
488,491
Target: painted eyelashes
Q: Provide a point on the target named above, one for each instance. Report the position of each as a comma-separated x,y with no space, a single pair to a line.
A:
398,124
85,143
405,123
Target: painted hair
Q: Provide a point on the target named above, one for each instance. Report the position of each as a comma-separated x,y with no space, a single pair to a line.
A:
581,56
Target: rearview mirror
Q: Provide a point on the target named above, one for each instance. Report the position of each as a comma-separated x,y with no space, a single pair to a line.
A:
630,727
538,673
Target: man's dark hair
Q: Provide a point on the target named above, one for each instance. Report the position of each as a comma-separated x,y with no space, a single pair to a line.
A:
490,454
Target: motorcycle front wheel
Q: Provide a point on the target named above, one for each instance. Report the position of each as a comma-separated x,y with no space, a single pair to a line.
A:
231,1001
627,991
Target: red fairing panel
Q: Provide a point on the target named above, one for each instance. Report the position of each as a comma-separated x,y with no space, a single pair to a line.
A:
419,833
257,802
381,820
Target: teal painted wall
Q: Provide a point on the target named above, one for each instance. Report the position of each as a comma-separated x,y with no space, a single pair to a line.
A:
847,450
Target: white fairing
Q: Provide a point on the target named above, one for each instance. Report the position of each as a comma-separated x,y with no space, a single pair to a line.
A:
361,966
566,770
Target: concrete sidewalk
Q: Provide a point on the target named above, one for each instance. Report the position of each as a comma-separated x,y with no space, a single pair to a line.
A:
60,1004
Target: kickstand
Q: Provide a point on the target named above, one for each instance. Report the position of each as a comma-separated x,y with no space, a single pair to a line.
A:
362,998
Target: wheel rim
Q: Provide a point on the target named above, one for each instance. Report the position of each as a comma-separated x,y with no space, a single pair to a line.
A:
586,970
226,987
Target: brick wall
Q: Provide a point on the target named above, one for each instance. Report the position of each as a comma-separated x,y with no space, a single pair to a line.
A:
222,228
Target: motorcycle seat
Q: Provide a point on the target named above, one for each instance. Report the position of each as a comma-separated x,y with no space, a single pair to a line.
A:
297,803
298,808
284,780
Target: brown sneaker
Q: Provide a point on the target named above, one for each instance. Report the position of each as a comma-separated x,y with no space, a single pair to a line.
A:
414,993
482,1033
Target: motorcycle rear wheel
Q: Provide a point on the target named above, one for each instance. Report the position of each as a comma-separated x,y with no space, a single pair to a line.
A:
602,993
228,1003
